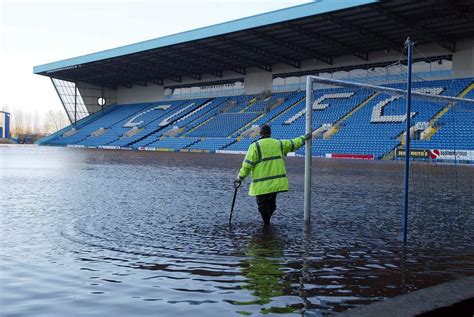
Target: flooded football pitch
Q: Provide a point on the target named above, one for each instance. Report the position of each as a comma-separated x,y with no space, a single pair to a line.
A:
132,233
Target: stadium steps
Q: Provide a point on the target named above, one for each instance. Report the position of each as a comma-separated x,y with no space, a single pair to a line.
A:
199,140
111,125
198,126
226,146
162,127
390,155
442,112
335,128
286,110
200,116
251,103
235,134
245,127
144,137
78,125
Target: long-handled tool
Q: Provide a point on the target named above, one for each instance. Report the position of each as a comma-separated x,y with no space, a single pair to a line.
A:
236,187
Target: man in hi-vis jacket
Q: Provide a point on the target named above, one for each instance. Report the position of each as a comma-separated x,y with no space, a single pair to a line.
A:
265,160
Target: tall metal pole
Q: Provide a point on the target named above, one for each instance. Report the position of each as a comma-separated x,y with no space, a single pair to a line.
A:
308,150
409,45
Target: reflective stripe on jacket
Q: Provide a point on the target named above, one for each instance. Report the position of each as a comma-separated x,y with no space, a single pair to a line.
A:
265,161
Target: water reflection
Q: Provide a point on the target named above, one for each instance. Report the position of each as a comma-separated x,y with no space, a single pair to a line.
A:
137,234
263,271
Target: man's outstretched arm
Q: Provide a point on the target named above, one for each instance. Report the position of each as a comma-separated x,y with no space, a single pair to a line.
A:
294,144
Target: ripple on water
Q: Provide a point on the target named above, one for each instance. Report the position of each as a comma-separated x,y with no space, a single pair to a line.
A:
131,233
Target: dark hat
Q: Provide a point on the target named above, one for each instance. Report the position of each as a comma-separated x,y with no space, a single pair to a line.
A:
265,130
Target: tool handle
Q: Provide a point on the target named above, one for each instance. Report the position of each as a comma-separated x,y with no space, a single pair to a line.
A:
237,184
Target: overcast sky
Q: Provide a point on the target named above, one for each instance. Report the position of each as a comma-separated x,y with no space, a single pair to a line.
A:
34,32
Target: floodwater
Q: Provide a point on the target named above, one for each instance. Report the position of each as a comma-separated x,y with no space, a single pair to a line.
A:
121,233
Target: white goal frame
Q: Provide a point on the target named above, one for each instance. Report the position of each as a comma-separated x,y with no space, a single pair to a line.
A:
310,80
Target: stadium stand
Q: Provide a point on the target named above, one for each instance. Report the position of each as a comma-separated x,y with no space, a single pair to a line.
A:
350,121
454,128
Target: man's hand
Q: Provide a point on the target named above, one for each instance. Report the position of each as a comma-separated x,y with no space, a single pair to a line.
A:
312,135
238,179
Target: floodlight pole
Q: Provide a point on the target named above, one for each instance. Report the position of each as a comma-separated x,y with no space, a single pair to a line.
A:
409,44
308,150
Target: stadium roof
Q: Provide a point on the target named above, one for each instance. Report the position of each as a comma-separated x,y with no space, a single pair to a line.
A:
319,30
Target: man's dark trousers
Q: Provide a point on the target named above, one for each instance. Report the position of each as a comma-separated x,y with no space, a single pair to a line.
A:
266,206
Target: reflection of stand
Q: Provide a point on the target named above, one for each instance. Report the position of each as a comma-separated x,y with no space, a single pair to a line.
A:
305,265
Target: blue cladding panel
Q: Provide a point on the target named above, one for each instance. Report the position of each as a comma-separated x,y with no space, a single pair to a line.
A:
7,125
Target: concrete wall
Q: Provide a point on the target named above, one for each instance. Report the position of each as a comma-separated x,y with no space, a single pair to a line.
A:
257,81
463,59
91,93
138,94
154,92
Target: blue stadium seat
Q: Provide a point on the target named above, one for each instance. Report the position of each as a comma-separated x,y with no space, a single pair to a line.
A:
217,124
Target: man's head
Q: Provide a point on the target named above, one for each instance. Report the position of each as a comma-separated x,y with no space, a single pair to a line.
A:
265,131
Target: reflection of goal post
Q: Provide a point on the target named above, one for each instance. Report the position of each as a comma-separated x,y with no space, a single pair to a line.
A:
426,95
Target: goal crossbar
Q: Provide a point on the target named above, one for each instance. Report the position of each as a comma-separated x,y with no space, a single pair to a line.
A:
388,90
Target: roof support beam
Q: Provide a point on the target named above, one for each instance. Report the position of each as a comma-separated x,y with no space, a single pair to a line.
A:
158,82
235,57
464,12
99,82
141,81
104,84
259,51
389,44
327,40
169,70
206,61
158,73
94,77
217,74
296,48
416,27
130,76
104,71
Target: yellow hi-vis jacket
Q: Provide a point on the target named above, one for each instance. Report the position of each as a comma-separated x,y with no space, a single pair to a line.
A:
265,160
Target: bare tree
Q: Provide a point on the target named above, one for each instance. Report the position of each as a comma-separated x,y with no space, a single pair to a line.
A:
18,122
36,123
55,120
27,122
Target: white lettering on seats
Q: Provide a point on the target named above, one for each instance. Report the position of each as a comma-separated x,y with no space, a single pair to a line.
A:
131,124
379,117
194,111
168,120
318,105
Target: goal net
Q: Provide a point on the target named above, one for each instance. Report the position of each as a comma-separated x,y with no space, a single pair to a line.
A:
360,167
